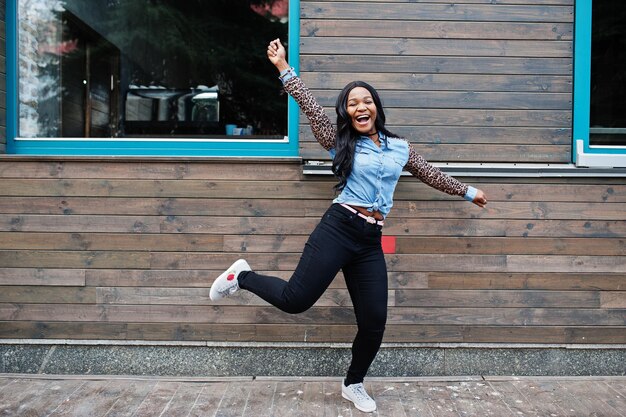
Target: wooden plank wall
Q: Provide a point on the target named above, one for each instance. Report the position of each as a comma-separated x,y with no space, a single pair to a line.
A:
127,250
3,88
464,80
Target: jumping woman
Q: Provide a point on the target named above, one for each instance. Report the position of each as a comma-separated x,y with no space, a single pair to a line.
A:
367,160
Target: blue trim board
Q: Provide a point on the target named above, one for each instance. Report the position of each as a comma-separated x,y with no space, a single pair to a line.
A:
293,110
151,148
582,74
146,148
11,74
582,80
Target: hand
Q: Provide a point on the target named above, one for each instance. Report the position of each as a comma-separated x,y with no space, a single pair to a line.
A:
480,200
277,55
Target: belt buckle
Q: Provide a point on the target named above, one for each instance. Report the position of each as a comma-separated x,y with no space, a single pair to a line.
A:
370,219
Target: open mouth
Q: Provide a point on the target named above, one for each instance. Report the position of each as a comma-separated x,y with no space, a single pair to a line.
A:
362,120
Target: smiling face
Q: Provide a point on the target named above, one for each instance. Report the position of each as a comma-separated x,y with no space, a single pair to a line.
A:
362,110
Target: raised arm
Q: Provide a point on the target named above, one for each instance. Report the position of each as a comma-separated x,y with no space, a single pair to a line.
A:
321,125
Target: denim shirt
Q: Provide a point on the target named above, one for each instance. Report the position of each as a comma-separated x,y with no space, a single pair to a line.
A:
375,173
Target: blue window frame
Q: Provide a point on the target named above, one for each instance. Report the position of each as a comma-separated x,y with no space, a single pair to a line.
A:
586,153
133,146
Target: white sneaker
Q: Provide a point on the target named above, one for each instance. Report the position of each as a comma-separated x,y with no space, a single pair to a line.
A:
227,283
357,394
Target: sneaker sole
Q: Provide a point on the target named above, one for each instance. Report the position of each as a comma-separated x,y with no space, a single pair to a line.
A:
365,410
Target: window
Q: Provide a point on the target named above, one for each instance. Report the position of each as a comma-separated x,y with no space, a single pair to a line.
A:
149,77
600,84
608,73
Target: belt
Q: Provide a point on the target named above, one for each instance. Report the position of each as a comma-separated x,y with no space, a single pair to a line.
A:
369,219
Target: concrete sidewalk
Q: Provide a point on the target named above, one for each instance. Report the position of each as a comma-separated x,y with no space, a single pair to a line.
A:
95,396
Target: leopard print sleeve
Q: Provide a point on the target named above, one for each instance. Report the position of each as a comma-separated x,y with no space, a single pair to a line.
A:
433,176
321,125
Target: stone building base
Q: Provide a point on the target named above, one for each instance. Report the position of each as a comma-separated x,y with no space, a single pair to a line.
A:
283,359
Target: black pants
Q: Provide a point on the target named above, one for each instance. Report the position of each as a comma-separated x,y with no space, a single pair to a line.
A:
342,240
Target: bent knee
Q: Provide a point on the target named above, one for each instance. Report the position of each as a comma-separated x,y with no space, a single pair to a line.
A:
296,309
294,304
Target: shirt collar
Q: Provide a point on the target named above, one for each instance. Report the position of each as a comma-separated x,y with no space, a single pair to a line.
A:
383,139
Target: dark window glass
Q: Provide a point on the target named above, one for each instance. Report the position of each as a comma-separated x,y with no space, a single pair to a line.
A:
150,68
608,73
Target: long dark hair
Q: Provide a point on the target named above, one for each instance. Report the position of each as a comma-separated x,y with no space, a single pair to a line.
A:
345,143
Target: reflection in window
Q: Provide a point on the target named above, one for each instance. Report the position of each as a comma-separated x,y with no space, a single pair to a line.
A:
608,73
150,68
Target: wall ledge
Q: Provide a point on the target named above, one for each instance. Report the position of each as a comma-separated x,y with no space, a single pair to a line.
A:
501,170
306,345
148,159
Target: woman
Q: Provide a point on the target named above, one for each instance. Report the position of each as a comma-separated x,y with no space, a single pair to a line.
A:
368,160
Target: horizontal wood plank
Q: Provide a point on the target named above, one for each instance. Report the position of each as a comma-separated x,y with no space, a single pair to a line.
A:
512,246
521,280
161,206
471,153
304,226
428,11
497,298
310,333
322,66
508,263
118,277
165,188
146,169
42,276
47,294
73,259
612,264
336,315
436,47
537,334
340,27
514,316
613,299
525,190
111,241
471,135
537,210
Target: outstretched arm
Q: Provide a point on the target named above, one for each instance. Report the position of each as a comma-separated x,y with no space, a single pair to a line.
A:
433,176
321,125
